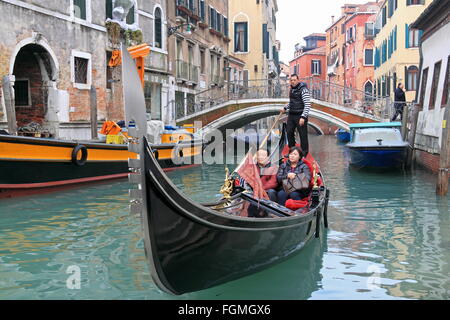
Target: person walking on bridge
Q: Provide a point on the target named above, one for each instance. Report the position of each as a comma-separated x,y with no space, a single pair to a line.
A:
298,111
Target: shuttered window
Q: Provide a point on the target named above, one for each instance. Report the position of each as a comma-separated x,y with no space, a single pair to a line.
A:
423,86
109,8
316,67
434,85
265,39
446,91
241,37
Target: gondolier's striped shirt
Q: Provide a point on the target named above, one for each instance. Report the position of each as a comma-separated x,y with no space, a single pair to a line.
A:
307,101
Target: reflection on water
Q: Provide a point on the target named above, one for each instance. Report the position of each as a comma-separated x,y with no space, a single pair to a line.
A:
389,238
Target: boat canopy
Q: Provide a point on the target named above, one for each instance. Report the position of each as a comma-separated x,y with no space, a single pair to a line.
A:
375,125
387,135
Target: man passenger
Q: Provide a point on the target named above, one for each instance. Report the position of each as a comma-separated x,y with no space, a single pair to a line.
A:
267,173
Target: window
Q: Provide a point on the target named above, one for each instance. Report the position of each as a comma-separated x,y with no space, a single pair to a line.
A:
79,9
81,69
225,26
22,93
368,90
316,67
218,22
130,17
368,57
152,94
369,30
354,58
423,86
202,62
158,28
414,36
384,17
446,88
202,10
240,37
434,84
212,18
411,76
413,2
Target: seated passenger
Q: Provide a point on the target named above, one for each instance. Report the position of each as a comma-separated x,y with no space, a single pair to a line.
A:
268,174
292,169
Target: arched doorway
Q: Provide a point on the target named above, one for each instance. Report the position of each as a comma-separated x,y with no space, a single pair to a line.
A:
34,71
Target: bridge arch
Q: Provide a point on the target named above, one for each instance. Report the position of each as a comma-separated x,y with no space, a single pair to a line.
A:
241,117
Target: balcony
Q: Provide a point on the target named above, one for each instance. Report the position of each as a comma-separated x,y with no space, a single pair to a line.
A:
187,72
217,80
193,73
158,62
188,7
182,70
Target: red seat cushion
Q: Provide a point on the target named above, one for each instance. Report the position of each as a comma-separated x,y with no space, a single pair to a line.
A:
296,204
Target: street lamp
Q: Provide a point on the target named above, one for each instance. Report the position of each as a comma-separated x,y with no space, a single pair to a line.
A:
172,30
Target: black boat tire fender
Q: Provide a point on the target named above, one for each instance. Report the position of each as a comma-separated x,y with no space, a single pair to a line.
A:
84,155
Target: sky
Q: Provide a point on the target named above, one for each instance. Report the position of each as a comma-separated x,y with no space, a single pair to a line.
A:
298,18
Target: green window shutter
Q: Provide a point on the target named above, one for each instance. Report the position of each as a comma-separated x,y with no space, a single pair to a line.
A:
406,36
406,78
265,41
109,9
246,37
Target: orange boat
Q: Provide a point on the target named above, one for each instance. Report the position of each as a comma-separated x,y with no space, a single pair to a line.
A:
34,165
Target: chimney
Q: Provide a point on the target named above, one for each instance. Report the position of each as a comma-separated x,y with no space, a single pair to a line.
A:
332,19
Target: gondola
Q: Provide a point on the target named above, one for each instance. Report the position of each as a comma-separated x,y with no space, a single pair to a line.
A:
191,246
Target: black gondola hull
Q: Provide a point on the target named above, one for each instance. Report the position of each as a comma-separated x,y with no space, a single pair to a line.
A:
191,247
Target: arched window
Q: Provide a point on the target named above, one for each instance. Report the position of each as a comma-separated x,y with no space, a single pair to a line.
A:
368,90
158,28
411,77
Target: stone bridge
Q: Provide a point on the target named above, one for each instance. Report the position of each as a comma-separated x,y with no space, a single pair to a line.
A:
332,107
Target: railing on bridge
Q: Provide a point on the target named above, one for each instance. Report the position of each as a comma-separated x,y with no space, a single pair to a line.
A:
370,104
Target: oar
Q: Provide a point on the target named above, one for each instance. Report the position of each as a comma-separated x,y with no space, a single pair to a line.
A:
270,131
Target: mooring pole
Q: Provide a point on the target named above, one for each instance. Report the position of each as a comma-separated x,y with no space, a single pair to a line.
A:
93,103
444,162
412,134
8,94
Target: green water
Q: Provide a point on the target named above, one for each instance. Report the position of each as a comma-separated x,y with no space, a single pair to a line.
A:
389,238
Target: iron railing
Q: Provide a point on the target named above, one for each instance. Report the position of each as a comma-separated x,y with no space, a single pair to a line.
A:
378,107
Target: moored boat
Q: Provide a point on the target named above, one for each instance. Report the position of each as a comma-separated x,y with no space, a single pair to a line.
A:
377,145
343,136
33,165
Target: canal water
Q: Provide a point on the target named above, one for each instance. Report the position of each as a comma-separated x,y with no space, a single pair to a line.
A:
389,238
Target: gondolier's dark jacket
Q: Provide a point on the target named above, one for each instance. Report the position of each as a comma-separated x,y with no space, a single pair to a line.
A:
299,101
286,168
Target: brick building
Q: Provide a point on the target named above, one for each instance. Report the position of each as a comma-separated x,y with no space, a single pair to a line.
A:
53,52
349,47
310,59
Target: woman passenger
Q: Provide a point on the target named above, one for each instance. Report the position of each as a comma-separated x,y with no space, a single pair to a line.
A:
289,170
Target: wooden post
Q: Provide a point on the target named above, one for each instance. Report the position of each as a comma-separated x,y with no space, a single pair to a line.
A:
405,116
8,93
412,134
444,165
93,102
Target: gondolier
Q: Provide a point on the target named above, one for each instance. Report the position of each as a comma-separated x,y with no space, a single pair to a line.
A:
298,110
